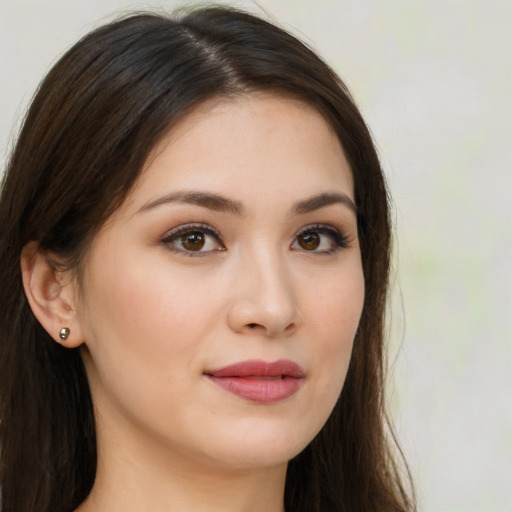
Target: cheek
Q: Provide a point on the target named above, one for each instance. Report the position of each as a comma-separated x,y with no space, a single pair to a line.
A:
144,334
335,306
142,327
334,315
143,304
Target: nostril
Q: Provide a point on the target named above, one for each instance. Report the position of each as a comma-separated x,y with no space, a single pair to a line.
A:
253,326
290,327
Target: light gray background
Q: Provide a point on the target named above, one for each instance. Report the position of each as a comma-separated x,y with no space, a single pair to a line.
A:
433,79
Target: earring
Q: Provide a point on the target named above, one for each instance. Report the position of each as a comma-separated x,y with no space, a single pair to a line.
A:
64,333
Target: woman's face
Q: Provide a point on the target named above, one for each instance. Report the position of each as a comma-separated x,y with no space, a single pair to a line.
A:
219,304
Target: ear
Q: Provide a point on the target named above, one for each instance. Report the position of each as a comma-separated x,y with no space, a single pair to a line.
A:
51,295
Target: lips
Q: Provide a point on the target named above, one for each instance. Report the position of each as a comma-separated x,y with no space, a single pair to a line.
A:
260,381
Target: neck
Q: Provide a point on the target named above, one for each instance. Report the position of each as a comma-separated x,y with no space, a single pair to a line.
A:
142,477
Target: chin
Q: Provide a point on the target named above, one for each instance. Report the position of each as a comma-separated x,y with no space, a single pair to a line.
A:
262,446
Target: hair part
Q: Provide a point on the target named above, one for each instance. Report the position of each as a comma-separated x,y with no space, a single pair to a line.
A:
87,135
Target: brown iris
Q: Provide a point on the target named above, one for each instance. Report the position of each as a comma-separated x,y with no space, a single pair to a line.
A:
193,241
309,240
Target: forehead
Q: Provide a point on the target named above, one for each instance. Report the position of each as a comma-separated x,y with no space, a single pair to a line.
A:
259,142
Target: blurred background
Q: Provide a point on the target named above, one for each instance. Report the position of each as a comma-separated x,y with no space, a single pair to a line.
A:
434,81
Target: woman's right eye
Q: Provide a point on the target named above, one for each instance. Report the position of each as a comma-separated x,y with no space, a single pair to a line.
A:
193,240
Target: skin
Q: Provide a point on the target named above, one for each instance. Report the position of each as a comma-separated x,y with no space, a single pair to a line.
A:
152,318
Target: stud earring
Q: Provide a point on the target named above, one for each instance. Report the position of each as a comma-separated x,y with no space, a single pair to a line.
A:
64,333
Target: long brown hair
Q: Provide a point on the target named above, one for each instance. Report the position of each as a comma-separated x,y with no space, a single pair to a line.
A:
86,136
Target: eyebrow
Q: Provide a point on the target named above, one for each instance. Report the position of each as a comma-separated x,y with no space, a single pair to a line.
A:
208,200
223,204
320,201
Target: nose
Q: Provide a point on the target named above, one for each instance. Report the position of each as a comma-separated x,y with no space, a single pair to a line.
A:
264,301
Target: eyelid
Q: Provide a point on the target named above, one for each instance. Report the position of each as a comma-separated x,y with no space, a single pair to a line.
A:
202,227
184,228
339,238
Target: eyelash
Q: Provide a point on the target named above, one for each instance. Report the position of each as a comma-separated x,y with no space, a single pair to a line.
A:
339,239
203,228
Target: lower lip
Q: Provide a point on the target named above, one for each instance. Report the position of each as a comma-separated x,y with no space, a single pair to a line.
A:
259,390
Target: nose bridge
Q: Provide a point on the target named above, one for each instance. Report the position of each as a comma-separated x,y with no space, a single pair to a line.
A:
273,284
265,292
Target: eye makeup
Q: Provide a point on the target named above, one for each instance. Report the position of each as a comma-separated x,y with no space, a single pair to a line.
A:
201,239
193,239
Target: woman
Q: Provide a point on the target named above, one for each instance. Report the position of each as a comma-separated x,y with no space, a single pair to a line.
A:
197,319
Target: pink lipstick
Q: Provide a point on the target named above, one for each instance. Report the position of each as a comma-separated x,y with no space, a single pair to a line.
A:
260,381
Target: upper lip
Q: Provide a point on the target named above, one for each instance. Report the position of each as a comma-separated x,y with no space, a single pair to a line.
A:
260,368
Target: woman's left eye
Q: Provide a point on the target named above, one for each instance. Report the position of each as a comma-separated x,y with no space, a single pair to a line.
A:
322,239
193,240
